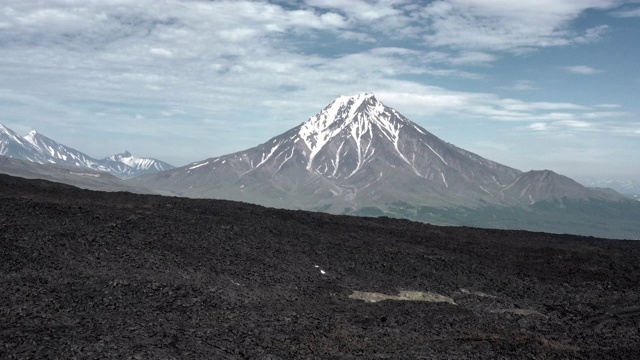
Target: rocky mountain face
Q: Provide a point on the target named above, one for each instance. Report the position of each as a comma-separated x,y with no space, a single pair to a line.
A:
357,153
40,149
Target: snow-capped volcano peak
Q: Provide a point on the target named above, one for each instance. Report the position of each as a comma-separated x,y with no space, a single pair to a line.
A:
345,107
358,117
342,111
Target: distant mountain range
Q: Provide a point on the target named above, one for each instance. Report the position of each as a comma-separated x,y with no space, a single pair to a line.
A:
360,157
630,187
40,149
77,176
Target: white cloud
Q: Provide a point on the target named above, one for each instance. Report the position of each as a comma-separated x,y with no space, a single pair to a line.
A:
609,106
604,114
504,25
592,35
358,9
161,52
584,124
467,105
539,126
575,124
627,13
358,36
626,128
472,58
519,105
474,25
582,70
333,19
228,63
521,85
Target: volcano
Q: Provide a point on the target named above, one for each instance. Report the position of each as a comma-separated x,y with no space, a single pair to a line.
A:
354,153
360,157
357,153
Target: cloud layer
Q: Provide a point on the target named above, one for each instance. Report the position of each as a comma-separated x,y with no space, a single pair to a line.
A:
255,68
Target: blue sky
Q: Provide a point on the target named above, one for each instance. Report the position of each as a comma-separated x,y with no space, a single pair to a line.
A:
533,84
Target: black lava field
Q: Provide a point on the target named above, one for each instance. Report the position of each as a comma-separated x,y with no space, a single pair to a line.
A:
98,275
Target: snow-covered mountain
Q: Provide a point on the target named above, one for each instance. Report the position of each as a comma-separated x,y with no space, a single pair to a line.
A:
57,153
130,166
14,146
38,148
356,153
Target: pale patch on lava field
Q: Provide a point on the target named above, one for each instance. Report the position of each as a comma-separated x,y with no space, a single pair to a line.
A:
428,296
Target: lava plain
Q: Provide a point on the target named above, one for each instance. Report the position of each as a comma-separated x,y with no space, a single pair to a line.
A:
99,275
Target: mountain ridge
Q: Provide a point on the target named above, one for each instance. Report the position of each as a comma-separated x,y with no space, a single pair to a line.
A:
38,148
545,185
358,156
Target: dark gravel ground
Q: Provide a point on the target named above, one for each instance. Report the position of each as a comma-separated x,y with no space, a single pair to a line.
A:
93,275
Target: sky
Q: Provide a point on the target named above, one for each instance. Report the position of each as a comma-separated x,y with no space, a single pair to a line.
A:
532,84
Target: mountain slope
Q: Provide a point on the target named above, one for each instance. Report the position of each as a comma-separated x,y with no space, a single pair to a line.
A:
72,175
545,185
